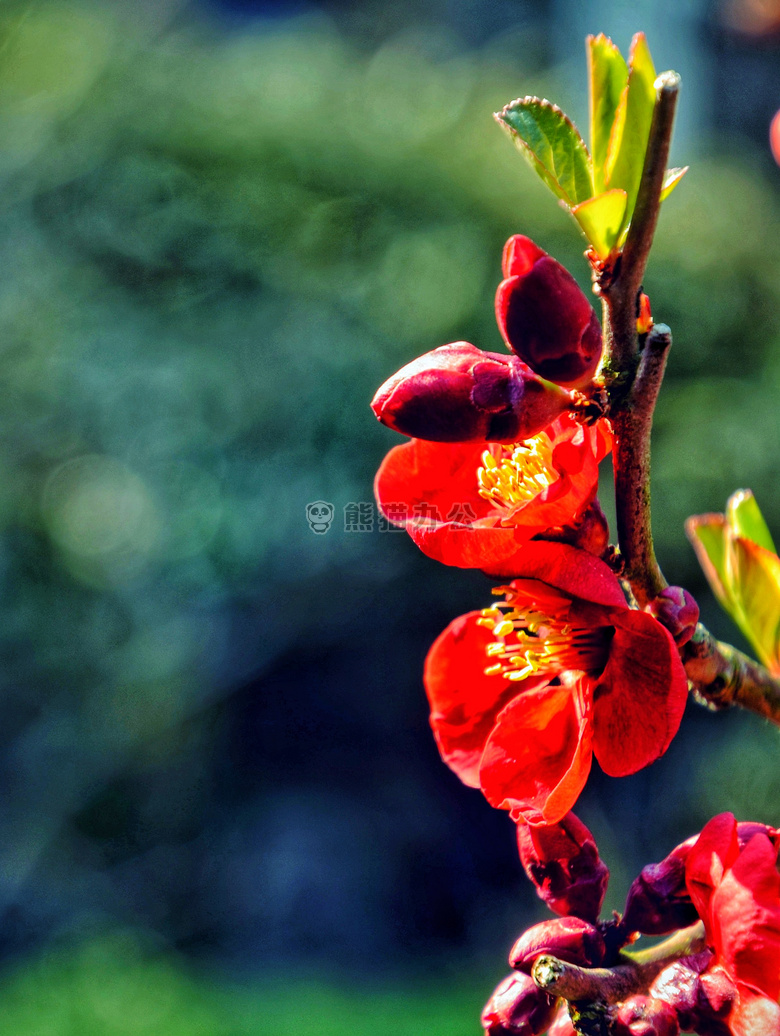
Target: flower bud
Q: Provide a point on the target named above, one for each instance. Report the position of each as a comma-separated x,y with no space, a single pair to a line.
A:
746,829
644,320
658,901
563,862
517,1008
646,1016
717,993
676,609
679,985
544,316
589,532
702,997
457,393
774,137
569,938
562,1024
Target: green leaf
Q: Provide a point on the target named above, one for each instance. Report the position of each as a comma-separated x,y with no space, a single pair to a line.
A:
708,534
551,143
755,578
601,219
745,518
631,129
671,178
607,75
737,555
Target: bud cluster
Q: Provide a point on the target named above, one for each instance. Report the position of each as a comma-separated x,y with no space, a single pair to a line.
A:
458,393
718,974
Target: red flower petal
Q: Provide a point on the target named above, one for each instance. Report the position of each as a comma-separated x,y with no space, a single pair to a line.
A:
577,573
434,490
464,701
641,696
537,759
754,1016
745,918
716,848
422,482
520,254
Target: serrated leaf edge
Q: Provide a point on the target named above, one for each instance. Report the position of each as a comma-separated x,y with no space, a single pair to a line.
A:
498,116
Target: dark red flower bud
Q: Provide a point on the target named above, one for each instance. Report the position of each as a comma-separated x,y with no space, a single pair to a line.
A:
457,393
679,985
645,1016
658,901
562,1025
747,828
563,862
590,532
568,938
517,1008
702,997
544,316
676,609
716,993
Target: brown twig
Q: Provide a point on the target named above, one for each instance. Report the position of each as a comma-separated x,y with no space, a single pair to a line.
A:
723,676
632,422
633,378
648,202
634,973
620,287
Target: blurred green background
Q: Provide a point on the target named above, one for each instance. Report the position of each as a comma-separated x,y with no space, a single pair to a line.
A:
223,226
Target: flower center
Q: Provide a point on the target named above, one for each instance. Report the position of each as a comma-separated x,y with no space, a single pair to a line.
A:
519,473
534,637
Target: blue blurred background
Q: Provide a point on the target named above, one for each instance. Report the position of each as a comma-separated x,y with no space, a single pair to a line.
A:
224,224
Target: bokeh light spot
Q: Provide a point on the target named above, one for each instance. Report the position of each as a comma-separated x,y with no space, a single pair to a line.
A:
97,509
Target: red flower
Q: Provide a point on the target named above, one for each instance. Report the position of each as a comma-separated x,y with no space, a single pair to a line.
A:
545,318
736,891
522,694
476,506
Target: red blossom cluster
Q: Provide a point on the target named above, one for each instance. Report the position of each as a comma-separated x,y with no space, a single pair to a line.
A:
501,475
718,893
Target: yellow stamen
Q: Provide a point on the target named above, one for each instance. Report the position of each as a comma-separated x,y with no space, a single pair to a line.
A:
531,642
521,472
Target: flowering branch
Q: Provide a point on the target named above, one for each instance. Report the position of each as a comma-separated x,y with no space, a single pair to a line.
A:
501,474
633,373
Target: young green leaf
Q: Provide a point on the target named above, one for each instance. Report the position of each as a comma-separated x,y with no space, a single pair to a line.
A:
607,75
671,178
601,219
708,534
745,518
631,129
551,143
755,577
